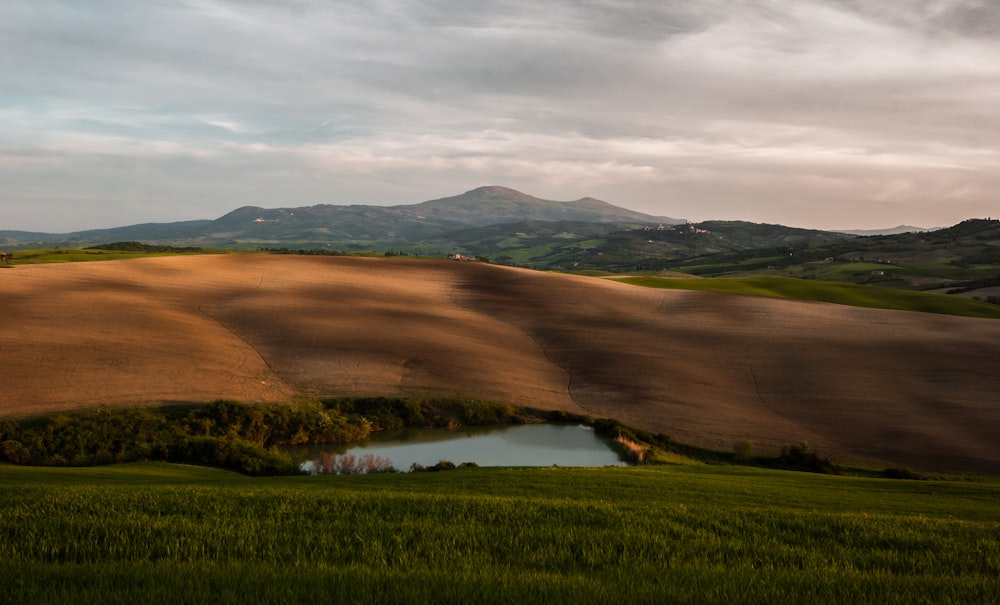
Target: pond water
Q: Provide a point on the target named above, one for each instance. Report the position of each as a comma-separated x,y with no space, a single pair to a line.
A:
519,445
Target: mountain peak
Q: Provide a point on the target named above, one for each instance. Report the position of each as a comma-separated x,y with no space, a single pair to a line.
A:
496,192
493,204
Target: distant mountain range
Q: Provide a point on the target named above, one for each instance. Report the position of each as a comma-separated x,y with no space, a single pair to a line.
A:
889,231
513,228
358,226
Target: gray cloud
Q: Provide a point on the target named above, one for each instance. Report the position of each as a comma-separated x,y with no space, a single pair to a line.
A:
817,113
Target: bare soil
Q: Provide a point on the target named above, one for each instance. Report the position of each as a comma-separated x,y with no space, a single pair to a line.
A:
890,387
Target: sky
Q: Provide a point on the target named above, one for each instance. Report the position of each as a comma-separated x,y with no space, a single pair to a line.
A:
811,113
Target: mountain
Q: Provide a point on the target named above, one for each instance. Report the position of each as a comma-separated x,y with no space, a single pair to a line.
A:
360,225
16,239
497,205
890,231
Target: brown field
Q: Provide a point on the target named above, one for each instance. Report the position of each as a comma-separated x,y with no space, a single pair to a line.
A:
890,387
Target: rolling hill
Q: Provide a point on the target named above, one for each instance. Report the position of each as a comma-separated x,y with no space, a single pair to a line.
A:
964,256
890,387
620,247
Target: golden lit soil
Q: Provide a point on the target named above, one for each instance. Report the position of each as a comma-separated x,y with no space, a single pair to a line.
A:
705,368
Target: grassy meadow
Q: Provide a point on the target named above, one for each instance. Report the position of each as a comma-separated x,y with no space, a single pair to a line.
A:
38,256
832,292
154,532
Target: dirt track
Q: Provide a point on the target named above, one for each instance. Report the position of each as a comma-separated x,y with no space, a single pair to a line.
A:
898,387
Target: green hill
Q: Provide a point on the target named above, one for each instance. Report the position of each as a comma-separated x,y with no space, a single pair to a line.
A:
839,293
960,255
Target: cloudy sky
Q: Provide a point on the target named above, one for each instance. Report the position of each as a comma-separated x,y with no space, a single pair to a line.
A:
812,113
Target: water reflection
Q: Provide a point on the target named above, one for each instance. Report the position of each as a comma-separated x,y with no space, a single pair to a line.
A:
522,445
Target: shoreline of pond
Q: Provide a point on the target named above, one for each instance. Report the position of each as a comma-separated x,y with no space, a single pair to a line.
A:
520,445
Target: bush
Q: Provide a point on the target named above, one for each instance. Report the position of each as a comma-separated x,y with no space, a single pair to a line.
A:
14,452
483,413
612,428
443,465
742,451
902,473
798,457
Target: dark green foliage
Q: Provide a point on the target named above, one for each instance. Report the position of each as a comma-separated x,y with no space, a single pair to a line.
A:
895,472
382,413
561,417
226,434
386,413
484,413
442,465
15,452
612,428
269,425
609,427
233,454
799,457
229,434
302,251
742,451
141,247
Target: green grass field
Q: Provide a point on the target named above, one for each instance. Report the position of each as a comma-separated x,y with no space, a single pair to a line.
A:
705,534
832,292
74,255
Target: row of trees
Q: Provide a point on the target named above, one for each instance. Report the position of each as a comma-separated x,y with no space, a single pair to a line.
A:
225,434
228,434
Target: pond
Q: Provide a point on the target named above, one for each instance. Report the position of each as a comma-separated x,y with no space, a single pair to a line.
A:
519,445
